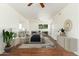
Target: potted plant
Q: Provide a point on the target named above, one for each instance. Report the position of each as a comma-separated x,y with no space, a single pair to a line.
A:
7,38
62,31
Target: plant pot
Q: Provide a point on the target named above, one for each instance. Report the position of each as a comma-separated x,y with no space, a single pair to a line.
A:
7,49
62,33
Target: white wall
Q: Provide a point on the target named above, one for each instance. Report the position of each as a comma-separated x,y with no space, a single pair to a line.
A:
33,26
9,18
71,11
43,18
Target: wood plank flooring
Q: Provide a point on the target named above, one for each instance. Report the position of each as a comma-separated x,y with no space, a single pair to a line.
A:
58,51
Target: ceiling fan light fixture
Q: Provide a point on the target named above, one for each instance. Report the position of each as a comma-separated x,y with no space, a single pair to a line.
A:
30,4
41,4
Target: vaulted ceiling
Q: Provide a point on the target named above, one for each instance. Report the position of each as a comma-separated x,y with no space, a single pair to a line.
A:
33,11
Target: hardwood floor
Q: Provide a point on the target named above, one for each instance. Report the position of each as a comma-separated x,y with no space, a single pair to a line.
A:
58,51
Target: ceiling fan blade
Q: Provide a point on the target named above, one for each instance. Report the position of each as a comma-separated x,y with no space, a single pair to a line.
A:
42,5
30,4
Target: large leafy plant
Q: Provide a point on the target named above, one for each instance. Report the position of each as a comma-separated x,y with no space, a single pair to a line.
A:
7,37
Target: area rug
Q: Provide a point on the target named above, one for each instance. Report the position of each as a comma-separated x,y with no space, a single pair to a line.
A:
48,44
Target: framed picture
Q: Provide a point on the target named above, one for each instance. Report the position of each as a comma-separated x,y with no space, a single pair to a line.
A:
45,26
40,26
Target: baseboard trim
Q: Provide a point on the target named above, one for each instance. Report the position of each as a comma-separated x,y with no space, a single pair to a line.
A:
77,53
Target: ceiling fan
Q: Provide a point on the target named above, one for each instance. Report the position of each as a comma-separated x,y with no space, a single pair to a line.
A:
41,4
